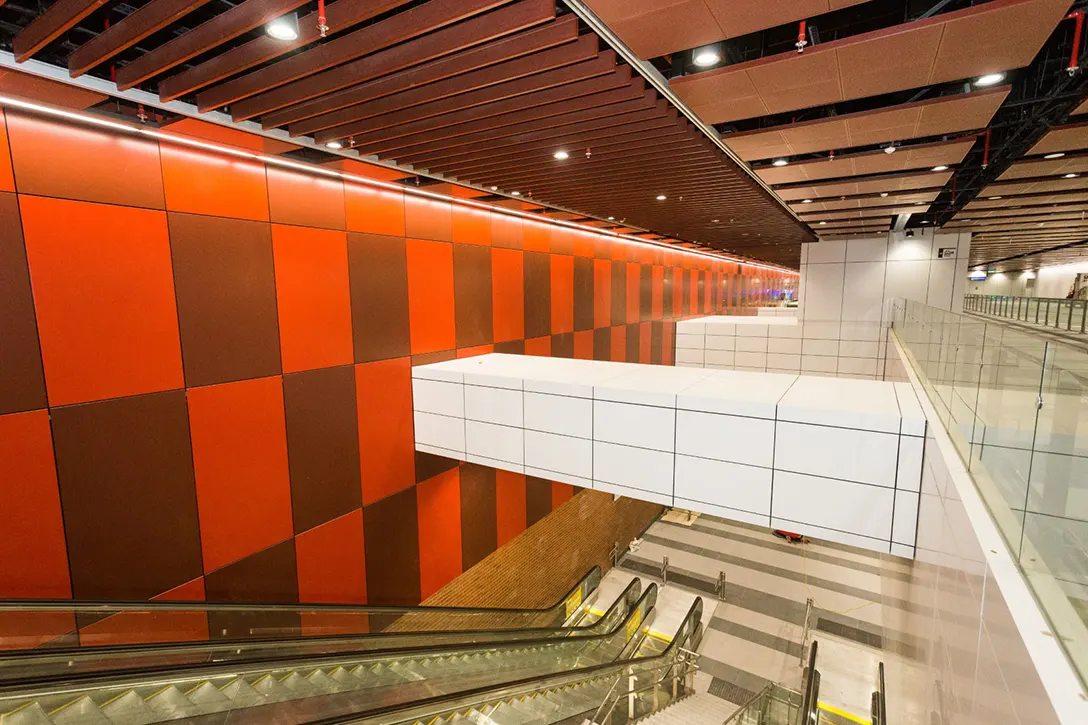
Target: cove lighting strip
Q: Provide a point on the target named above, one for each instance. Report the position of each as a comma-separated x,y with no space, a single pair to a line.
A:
92,120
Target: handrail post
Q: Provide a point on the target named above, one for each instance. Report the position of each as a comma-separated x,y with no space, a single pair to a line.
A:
1069,320
719,588
1084,314
1037,306
664,569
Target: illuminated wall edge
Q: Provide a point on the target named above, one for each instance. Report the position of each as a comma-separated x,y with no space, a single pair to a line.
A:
92,120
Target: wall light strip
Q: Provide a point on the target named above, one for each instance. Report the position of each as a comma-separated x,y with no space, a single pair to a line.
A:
93,120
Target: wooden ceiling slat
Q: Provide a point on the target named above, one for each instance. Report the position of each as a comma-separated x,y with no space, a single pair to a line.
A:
238,20
581,50
152,17
619,158
460,159
563,30
678,159
489,97
482,29
673,184
467,120
58,17
498,125
398,28
587,188
340,15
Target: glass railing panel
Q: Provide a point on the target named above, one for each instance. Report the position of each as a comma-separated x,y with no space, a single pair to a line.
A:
1017,411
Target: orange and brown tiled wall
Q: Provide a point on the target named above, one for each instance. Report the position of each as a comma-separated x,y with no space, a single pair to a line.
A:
205,368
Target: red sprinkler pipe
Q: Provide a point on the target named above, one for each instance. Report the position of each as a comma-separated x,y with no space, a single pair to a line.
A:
1074,58
986,150
322,24
801,42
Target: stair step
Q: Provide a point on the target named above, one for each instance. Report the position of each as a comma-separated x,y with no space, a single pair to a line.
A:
129,709
80,712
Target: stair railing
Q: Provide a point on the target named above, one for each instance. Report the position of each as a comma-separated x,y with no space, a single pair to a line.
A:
677,678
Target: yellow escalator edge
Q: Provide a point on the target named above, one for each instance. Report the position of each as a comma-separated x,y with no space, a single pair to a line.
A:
843,713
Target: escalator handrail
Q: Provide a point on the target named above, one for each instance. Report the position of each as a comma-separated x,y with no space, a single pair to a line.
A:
590,581
59,684
458,701
629,596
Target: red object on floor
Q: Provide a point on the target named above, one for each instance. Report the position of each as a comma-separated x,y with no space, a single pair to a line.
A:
790,536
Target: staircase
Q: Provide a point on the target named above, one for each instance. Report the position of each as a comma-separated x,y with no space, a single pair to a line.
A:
554,706
697,709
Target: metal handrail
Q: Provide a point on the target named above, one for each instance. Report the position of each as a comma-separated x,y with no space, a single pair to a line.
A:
689,669
1013,307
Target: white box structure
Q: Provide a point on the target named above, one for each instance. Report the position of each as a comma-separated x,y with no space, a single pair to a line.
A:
783,344
776,312
836,458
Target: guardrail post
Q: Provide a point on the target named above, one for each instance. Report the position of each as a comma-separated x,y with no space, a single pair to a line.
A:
719,588
1069,320
1037,307
664,569
1084,314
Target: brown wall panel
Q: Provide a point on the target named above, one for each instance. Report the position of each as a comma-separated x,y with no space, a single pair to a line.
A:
656,337
428,465
632,340
537,294
563,345
646,293
322,445
128,494
583,293
602,343
378,272
22,383
269,575
619,292
391,531
479,532
472,294
538,499
226,293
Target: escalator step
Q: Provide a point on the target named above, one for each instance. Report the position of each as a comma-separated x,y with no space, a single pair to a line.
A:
82,712
208,698
241,694
299,685
272,690
129,709
29,714
322,682
171,703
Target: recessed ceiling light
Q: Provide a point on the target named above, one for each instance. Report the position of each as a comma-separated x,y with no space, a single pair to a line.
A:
706,56
806,201
822,223
989,79
561,155
883,194
494,188
1070,176
714,221
925,222
1055,155
661,197
611,218
515,193
919,203
780,162
284,27
334,145
890,149
942,167
994,198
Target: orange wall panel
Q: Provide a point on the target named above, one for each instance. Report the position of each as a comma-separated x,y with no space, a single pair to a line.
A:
243,490
561,493
541,346
657,309
7,175
313,297
583,345
305,200
200,182
33,554
374,211
383,393
619,344
428,219
471,226
508,294
562,293
509,504
430,296
440,531
331,565
538,237
644,347
634,271
104,297
109,168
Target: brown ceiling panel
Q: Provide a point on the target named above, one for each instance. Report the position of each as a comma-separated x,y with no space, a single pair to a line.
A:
1011,188
1082,108
1034,168
836,204
1042,211
59,17
340,15
564,30
1006,202
303,76
658,27
884,211
411,23
906,182
998,35
238,20
396,123
919,157
511,70
948,114
150,18
42,89
1070,137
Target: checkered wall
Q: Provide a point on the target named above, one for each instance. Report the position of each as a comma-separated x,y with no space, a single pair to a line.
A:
205,368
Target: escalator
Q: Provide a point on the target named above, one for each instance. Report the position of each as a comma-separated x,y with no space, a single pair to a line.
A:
298,681
404,627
